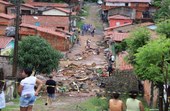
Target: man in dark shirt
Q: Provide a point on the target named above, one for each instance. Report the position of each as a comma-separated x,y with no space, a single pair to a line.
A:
51,86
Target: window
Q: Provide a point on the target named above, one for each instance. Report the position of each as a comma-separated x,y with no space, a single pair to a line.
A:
62,28
117,23
13,11
126,4
25,12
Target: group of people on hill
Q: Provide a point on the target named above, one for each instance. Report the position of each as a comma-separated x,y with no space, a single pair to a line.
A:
88,29
132,103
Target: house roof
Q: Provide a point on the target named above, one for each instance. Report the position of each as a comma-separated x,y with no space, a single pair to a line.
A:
46,30
63,10
3,2
23,5
28,5
128,1
110,28
122,64
6,16
46,4
118,17
115,36
47,21
118,37
130,26
4,41
60,9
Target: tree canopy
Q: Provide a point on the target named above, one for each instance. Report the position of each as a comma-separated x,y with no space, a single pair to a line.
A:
164,28
163,11
35,52
153,60
137,38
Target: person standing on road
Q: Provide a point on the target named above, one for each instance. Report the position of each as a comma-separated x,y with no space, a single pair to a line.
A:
92,32
132,103
110,69
115,104
51,87
26,90
78,41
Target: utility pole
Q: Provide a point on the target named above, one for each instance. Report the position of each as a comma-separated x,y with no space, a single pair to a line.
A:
69,2
15,56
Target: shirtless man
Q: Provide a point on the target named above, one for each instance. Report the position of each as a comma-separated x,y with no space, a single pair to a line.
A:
115,104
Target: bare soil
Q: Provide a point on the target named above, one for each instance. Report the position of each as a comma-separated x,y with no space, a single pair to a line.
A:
70,101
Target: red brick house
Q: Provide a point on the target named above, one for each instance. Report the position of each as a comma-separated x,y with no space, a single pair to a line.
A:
3,6
117,20
136,9
58,40
47,21
5,21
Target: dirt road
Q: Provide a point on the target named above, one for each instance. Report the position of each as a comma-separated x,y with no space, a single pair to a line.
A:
69,102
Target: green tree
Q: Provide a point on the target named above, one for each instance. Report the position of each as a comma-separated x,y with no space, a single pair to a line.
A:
120,46
153,63
163,12
157,3
35,52
164,28
137,38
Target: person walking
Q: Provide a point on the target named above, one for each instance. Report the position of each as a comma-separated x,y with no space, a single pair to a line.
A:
115,104
26,90
133,104
51,87
110,69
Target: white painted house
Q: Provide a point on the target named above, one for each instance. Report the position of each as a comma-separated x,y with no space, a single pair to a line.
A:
56,11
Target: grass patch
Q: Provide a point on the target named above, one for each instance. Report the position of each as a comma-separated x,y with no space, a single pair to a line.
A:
14,106
94,104
101,104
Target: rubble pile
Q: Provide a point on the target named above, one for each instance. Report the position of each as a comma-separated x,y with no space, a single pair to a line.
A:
84,54
78,78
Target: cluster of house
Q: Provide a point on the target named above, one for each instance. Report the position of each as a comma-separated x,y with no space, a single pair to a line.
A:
123,16
52,21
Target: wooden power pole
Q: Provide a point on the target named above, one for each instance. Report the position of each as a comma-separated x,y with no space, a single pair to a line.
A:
15,56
